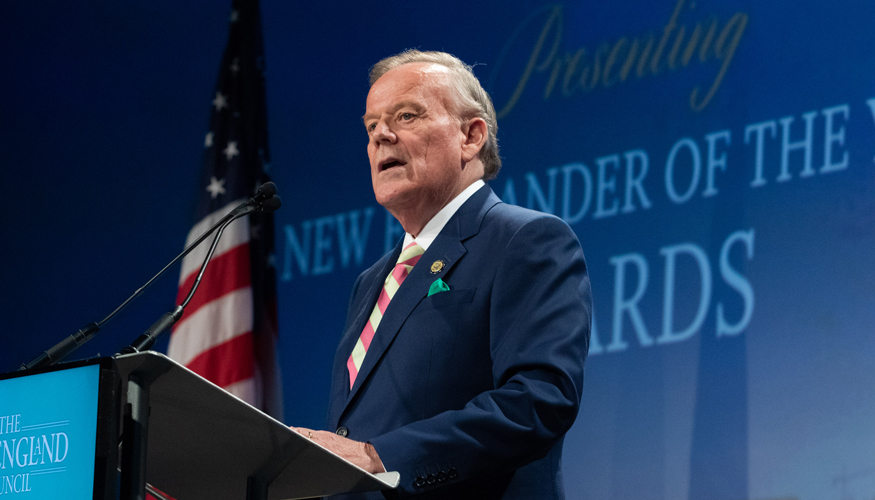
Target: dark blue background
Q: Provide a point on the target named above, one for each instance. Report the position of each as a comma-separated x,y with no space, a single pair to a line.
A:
104,109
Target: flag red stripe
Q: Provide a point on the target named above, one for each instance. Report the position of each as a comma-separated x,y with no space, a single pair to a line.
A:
226,363
236,234
226,273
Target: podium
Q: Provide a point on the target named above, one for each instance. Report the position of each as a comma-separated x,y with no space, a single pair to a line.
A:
195,441
204,443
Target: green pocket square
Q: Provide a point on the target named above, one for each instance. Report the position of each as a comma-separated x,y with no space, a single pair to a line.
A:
437,287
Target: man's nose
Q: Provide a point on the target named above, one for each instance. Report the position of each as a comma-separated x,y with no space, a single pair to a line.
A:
383,133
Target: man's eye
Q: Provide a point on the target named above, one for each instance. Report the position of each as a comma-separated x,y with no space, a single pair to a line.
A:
371,127
406,116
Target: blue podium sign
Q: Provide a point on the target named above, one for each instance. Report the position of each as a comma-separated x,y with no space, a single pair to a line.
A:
49,434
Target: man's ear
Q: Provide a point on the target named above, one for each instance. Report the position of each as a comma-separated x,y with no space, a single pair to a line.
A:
474,137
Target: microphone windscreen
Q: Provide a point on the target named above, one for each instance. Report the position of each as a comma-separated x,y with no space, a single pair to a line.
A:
266,190
271,204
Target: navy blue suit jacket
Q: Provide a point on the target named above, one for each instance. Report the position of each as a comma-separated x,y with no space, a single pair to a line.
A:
469,392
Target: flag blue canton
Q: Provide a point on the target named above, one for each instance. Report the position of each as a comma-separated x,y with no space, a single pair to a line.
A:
236,155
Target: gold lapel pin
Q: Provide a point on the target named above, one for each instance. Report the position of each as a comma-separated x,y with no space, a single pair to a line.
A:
437,266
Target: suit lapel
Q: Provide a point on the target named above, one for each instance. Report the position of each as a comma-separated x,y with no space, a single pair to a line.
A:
447,247
412,291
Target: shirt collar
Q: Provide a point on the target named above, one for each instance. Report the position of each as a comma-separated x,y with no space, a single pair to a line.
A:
440,219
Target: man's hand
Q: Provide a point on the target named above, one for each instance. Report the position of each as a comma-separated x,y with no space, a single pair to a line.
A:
361,454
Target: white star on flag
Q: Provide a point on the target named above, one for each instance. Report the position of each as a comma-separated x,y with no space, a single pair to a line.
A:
216,187
234,16
208,140
231,151
220,102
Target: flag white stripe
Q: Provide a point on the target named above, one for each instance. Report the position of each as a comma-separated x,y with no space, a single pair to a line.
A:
248,390
236,234
213,324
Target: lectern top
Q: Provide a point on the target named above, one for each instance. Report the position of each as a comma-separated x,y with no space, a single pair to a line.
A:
204,443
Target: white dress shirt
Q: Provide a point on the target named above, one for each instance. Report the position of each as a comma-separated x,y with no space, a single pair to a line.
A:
440,219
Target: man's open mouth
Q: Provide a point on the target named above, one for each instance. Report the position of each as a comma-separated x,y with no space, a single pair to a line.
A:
391,163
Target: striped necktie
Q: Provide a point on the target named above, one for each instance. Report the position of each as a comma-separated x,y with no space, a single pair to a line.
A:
408,258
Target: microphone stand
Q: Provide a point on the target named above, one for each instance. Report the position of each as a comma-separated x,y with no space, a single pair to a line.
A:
265,199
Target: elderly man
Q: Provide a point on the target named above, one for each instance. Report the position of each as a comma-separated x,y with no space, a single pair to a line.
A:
461,362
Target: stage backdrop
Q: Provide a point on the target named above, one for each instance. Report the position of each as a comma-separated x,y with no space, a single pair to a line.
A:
715,158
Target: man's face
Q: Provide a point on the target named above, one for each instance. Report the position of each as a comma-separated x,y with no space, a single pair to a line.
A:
414,140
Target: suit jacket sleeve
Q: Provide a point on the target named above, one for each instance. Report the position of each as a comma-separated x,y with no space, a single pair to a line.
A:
539,311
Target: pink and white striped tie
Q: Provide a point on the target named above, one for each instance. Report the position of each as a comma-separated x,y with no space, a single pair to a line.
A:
408,258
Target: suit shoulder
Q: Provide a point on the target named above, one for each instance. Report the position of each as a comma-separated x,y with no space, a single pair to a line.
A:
513,217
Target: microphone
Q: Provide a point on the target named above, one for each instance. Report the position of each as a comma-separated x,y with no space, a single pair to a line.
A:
264,200
264,192
271,204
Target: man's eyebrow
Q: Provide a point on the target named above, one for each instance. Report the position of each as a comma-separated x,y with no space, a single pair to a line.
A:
396,107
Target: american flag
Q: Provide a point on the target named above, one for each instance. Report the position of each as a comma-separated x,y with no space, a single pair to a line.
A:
228,333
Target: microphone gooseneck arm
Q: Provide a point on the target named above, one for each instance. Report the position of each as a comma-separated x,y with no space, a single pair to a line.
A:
265,193
149,337
265,199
